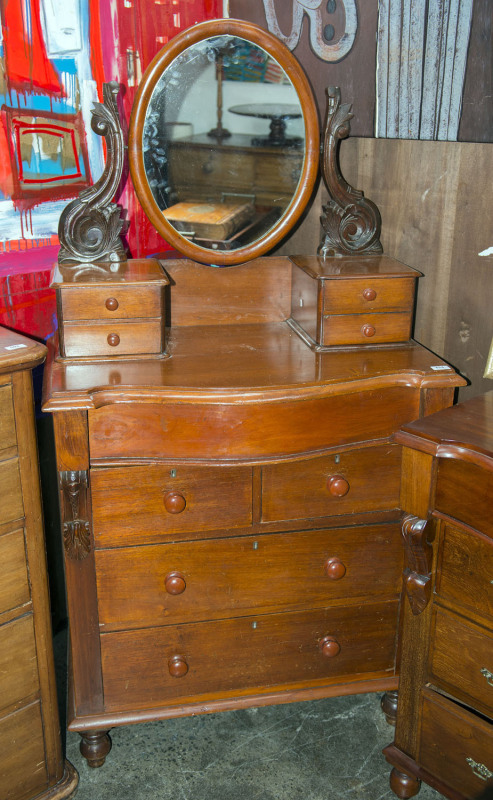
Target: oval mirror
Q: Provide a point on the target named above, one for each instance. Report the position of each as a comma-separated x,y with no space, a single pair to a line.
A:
224,142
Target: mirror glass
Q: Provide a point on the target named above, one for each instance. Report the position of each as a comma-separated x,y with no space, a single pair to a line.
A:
223,142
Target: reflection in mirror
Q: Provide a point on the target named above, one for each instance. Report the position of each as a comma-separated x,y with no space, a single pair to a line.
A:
223,142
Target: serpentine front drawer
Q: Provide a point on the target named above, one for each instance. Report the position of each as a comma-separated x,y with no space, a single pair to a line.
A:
186,663
217,578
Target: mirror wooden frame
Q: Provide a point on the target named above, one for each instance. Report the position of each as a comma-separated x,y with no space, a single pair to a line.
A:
309,173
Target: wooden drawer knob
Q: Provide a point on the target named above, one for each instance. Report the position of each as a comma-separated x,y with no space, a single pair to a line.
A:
329,646
174,502
338,486
369,294
334,568
368,331
113,339
175,583
112,304
177,666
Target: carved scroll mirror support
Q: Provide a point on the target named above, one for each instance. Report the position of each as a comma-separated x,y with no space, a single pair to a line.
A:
90,226
351,223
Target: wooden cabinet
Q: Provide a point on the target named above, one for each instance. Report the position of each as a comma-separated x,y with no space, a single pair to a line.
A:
231,513
444,732
31,762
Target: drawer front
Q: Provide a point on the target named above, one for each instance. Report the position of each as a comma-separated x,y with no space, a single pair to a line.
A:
14,583
214,171
245,654
277,174
111,302
12,506
193,581
464,491
257,430
364,296
7,420
367,479
129,338
456,746
465,570
132,505
461,660
18,665
23,771
366,328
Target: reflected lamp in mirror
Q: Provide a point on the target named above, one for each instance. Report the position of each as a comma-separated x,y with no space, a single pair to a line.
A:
216,198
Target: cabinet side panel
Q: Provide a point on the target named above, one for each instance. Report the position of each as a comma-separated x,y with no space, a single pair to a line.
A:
73,457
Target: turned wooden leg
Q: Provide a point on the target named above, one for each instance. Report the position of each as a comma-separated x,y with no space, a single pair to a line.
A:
95,746
403,785
389,706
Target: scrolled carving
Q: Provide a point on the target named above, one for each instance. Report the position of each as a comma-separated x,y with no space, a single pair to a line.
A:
418,535
75,523
351,223
90,226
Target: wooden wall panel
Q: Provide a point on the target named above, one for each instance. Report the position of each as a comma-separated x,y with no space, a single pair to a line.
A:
435,199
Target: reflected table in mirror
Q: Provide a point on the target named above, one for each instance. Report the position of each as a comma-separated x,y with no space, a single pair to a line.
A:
279,114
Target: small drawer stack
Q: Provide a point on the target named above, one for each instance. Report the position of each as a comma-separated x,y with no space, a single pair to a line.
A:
115,311
444,734
31,762
347,301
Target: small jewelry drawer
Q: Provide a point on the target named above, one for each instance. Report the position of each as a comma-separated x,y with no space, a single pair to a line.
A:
18,662
113,338
143,504
111,302
7,421
14,586
455,746
362,480
348,329
12,506
461,660
156,666
357,296
186,582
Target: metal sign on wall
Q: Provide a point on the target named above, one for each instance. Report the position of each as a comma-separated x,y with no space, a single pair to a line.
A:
412,69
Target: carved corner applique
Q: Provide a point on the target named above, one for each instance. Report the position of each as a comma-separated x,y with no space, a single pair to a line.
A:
418,535
90,226
75,523
351,223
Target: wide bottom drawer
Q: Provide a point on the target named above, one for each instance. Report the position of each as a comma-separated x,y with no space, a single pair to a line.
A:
153,667
456,747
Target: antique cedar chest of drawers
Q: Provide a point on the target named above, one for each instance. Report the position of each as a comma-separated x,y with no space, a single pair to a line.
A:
31,762
444,732
231,513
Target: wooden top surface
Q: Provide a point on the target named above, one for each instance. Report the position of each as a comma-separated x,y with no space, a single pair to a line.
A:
19,352
134,270
242,363
344,267
462,431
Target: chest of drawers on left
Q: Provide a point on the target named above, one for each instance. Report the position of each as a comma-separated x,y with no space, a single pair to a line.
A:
31,762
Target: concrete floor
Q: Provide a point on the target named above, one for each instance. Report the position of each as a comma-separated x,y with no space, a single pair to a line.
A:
317,750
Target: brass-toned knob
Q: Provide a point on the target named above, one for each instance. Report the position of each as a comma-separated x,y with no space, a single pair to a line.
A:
337,486
329,646
112,304
174,502
175,583
369,294
368,331
334,568
177,666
